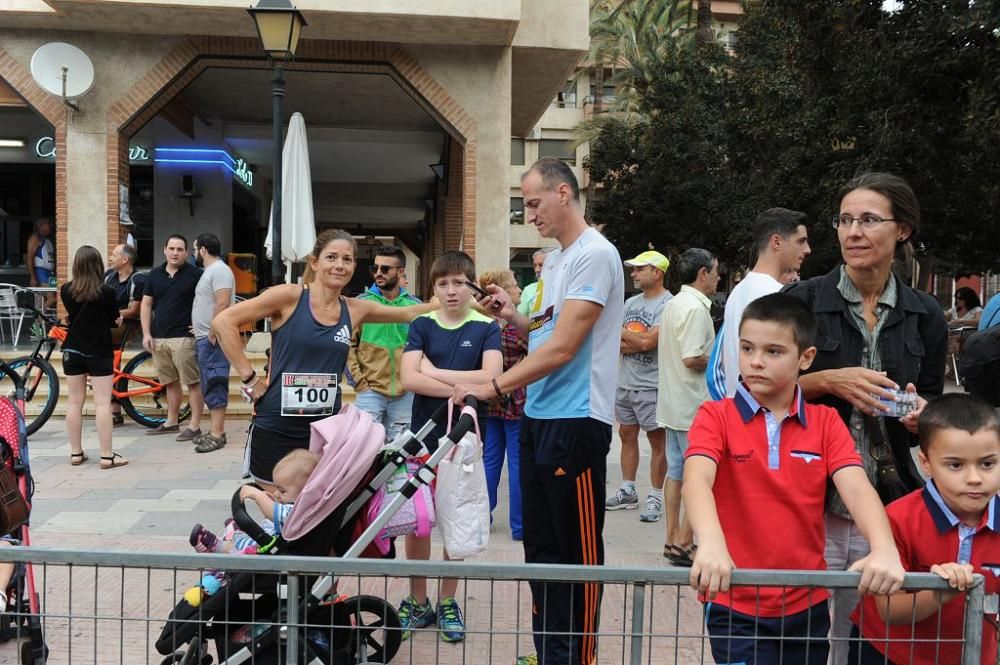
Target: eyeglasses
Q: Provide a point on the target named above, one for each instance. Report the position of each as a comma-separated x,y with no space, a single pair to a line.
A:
867,220
384,269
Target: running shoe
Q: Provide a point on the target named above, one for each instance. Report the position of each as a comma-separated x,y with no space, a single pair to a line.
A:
528,660
451,625
413,615
653,509
622,500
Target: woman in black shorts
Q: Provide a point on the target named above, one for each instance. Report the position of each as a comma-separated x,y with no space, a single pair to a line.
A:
87,352
311,329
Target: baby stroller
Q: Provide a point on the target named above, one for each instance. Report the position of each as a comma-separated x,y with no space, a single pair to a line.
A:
16,488
330,517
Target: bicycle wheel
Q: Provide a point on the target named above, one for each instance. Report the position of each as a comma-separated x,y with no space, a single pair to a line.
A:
41,389
147,403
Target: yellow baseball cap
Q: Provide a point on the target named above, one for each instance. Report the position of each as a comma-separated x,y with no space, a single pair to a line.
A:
650,258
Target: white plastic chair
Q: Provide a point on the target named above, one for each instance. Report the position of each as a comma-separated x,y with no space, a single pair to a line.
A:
10,312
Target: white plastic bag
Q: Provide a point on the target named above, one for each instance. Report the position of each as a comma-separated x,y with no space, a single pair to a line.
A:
461,501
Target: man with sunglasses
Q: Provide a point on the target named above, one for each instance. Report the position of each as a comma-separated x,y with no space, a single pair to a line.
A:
376,348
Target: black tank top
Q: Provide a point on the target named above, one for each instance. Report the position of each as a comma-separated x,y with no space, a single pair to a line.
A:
307,362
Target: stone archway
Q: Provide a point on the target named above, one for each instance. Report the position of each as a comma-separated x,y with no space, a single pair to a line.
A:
52,109
149,95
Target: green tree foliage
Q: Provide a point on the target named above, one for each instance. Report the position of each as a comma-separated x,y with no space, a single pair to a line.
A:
817,92
662,176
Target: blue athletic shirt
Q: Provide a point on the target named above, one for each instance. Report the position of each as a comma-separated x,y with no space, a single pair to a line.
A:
458,347
589,269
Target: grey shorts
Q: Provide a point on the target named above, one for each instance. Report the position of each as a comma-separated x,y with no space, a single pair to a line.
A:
636,407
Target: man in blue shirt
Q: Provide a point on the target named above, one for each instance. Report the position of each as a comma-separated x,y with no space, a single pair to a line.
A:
991,314
571,370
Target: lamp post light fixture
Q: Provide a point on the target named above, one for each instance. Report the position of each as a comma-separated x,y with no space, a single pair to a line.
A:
279,25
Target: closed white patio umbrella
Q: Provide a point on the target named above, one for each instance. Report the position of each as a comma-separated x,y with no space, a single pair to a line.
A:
298,222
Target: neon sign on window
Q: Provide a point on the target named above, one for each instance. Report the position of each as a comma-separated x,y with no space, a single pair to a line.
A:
235,165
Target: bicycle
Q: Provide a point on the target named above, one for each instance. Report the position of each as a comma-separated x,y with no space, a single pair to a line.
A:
135,387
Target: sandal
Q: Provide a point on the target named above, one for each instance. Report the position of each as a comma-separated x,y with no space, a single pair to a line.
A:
679,556
76,459
114,461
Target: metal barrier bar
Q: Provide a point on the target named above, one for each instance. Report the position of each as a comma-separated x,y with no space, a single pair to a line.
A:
648,615
638,612
462,569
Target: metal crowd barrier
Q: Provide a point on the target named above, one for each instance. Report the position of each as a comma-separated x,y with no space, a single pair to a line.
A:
110,607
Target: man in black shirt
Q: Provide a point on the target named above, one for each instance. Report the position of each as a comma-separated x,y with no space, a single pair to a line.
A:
169,293
128,285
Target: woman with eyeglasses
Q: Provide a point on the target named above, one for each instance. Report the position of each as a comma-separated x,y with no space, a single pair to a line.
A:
875,335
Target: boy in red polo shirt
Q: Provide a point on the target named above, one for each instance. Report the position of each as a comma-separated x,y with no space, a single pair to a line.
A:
759,463
951,527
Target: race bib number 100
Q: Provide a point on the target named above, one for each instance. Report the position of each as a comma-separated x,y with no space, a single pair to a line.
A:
308,394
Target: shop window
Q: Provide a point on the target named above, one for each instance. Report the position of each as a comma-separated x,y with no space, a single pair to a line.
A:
517,152
566,98
606,89
516,210
558,148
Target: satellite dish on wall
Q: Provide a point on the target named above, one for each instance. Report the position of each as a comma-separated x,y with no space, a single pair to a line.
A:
63,69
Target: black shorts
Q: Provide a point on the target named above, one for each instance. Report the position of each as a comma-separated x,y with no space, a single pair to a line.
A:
75,364
265,450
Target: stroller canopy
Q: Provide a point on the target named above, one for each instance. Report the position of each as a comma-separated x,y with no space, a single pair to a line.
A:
347,444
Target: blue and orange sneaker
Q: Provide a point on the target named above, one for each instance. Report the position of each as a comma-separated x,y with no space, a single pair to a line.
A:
413,615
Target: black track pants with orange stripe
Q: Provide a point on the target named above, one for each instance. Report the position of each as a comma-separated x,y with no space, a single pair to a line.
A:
563,466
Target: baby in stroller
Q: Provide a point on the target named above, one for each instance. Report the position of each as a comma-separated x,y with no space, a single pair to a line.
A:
290,475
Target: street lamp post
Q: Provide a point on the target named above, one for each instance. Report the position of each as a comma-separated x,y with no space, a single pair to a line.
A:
279,25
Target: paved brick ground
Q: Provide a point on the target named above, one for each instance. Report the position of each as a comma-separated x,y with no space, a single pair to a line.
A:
114,616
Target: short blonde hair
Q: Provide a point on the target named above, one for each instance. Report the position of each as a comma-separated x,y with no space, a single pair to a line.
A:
299,462
500,278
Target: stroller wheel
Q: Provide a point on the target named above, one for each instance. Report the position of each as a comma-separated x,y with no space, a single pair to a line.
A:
375,632
189,657
27,658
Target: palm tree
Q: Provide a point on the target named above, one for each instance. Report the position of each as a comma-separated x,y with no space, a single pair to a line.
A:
629,37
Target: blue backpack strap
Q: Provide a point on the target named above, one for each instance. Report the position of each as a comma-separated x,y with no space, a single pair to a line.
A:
715,375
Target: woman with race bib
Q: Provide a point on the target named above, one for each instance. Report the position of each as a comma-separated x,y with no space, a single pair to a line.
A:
310,339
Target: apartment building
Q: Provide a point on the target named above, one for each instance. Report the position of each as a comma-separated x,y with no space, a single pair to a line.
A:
552,135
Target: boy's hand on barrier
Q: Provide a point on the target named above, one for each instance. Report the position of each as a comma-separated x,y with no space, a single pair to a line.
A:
881,573
959,576
712,570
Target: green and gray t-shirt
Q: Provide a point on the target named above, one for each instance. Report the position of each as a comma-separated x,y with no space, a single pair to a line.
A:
638,371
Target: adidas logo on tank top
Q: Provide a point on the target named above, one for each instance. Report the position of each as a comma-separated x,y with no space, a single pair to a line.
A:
343,335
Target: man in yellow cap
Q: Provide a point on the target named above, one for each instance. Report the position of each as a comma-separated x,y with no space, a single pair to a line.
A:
635,398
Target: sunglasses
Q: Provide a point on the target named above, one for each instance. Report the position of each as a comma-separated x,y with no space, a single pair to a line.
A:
376,269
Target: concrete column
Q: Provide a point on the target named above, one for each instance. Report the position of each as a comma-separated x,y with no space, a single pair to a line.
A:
480,81
86,193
